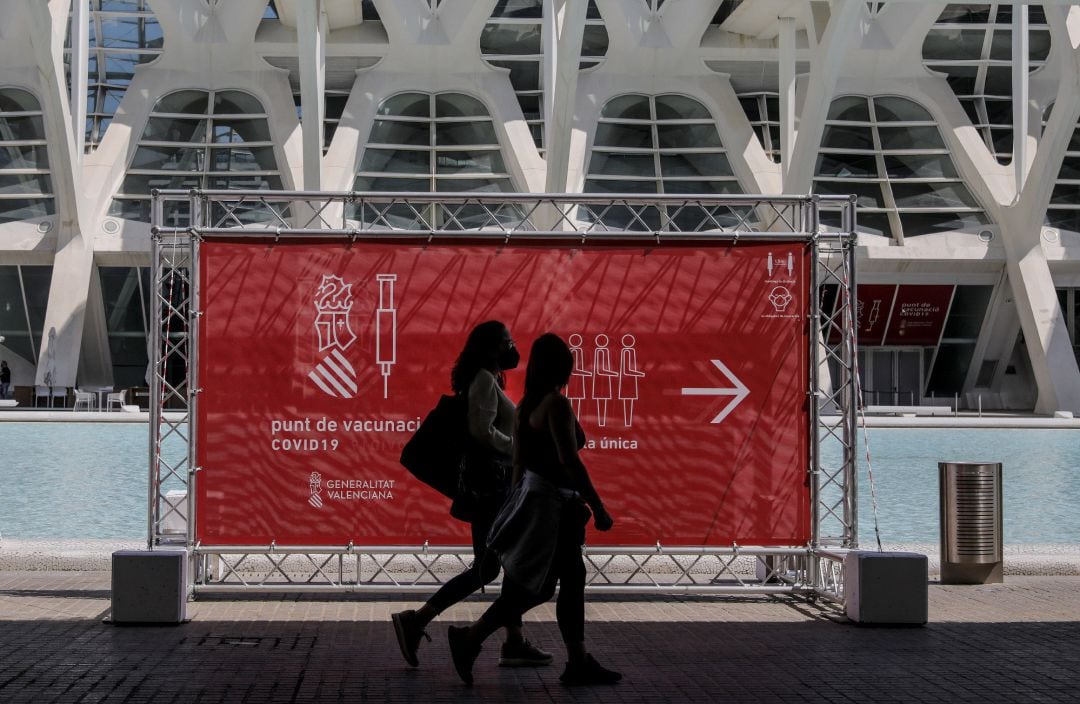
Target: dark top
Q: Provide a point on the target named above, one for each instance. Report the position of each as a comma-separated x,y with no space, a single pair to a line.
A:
540,455
5,375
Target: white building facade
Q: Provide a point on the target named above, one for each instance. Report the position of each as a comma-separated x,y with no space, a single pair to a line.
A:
955,125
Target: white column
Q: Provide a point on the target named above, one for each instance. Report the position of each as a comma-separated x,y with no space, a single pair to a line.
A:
311,37
560,94
80,61
1020,82
787,97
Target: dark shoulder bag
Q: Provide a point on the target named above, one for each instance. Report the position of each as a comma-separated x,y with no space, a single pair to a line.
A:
434,453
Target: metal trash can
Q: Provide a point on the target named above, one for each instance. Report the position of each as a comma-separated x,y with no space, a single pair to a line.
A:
971,511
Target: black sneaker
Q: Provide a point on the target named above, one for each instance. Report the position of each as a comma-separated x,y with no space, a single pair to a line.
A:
408,630
523,654
587,673
463,652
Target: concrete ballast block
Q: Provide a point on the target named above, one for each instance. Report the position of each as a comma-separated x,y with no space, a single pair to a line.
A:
149,586
886,587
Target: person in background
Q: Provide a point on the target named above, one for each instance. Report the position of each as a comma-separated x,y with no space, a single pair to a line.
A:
5,380
539,532
485,479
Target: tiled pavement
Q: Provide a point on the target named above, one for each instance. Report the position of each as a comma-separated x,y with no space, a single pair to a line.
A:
1017,642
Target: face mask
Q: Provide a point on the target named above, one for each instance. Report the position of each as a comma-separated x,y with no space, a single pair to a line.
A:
508,358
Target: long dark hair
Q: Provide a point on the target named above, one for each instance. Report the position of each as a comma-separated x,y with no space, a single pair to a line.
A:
481,351
549,368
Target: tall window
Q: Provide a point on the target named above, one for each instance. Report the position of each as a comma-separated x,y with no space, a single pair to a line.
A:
513,39
24,293
889,153
1064,209
442,142
199,139
126,293
658,144
123,34
25,185
762,108
972,45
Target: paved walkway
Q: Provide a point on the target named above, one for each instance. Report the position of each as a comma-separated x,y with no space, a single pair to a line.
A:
1017,642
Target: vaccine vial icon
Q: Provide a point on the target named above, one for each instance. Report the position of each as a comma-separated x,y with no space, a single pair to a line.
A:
386,329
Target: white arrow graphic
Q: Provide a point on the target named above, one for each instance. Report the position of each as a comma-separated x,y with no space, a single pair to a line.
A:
738,391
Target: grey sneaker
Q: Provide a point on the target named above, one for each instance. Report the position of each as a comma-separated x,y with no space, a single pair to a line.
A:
408,631
523,654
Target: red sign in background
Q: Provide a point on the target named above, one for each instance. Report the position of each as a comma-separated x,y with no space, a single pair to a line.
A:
317,360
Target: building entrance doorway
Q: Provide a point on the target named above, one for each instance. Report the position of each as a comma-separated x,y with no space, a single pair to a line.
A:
891,376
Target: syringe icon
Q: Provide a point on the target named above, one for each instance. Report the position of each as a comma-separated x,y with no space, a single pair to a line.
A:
386,329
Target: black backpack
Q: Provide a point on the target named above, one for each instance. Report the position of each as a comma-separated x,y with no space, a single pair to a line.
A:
434,453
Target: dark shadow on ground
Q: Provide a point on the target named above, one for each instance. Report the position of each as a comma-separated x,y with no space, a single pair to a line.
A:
334,661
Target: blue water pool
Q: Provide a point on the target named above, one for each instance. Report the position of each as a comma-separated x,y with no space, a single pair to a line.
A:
89,480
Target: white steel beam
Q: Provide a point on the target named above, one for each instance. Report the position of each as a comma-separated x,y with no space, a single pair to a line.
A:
787,97
564,29
80,62
311,32
1020,84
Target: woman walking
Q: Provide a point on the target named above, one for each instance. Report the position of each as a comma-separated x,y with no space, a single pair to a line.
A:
539,532
478,373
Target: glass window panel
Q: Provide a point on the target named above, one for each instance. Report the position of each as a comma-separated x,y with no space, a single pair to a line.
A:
627,136
24,157
245,182
407,105
916,224
677,107
1038,43
910,138
1001,45
510,39
489,162
25,184
594,40
691,136
36,281
846,165
22,128
142,184
477,185
971,107
233,130
605,164
1002,141
932,195
110,101
919,166
965,13
850,108
458,105
998,112
709,187
1064,219
130,209
396,161
530,106
967,312
892,109
751,109
524,75
606,186
952,44
15,209
119,68
406,133
1074,142
168,129
1070,168
169,158
123,305
627,107
1065,194
249,159
17,100
465,134
234,102
385,183
531,9
999,80
869,194
847,137
12,313
694,165
962,79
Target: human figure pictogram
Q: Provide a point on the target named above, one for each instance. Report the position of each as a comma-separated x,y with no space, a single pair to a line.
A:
603,374
575,390
628,378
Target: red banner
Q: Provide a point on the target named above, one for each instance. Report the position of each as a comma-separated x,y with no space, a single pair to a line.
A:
872,313
318,359
918,315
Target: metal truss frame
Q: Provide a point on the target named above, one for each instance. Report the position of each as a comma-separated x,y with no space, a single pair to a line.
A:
181,220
